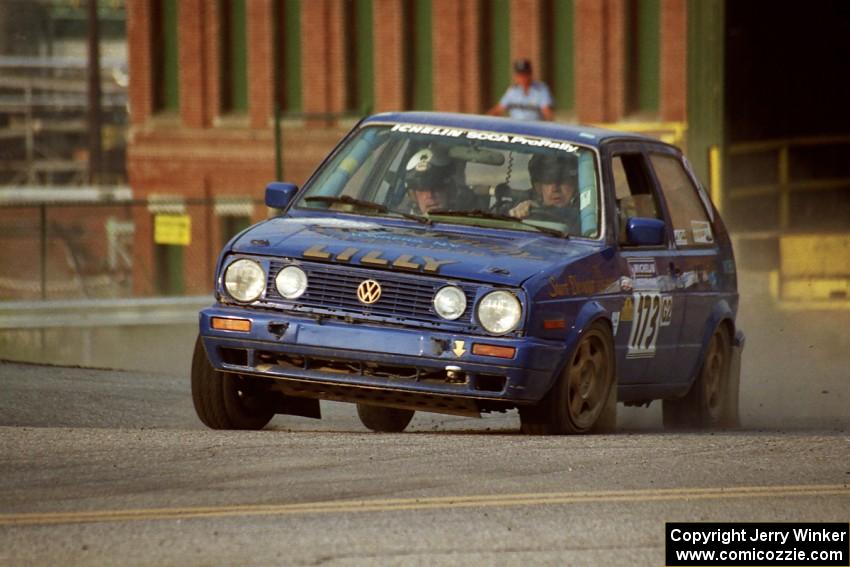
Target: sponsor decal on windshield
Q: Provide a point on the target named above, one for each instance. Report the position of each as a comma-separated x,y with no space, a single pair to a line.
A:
485,136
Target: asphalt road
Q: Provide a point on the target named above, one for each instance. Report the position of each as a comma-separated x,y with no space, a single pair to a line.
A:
111,467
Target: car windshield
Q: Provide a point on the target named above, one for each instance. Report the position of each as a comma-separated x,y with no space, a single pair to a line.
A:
462,176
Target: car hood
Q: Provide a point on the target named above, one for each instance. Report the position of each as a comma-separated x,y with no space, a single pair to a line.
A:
509,257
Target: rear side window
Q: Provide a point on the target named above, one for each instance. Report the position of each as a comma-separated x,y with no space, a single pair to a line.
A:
691,226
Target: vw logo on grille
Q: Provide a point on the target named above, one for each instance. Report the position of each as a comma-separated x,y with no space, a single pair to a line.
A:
369,291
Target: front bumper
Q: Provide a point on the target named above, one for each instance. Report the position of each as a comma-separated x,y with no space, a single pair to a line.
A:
350,357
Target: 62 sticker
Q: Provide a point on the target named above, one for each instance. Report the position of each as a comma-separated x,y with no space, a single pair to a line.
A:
651,312
666,310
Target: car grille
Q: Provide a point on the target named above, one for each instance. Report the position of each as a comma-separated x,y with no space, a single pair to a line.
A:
405,297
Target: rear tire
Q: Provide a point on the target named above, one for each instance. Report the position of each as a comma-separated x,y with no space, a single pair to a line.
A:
712,401
383,419
227,401
584,398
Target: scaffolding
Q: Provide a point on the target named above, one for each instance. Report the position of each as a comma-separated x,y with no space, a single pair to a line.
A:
43,121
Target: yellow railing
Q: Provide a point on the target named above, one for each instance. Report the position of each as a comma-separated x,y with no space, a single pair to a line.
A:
784,185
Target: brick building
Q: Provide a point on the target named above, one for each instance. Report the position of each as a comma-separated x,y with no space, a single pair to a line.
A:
207,75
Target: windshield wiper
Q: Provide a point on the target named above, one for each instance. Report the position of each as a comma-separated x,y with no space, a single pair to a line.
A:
417,218
347,200
482,214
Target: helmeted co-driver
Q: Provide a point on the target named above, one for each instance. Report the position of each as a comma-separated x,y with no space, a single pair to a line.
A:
554,180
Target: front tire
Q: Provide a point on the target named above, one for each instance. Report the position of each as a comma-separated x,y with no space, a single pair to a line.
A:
585,397
712,401
383,419
227,401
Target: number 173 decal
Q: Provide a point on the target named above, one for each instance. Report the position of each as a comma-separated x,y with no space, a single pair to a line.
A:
651,312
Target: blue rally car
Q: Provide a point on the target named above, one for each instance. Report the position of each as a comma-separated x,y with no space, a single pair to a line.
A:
462,264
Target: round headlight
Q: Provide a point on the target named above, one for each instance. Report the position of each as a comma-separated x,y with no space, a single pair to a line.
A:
499,312
450,302
245,280
291,282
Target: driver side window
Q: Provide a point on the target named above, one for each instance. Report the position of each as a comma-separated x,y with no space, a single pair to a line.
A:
633,190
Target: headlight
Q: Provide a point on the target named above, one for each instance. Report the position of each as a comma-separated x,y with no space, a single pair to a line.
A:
450,302
245,280
499,312
291,282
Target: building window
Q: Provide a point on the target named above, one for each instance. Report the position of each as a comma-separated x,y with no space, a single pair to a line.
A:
234,57
495,49
164,56
288,54
359,54
419,55
643,44
231,226
169,269
558,61
235,215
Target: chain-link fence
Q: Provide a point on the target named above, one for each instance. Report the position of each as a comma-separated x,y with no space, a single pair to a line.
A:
127,248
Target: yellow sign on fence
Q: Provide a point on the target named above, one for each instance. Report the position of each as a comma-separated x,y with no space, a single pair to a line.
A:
172,229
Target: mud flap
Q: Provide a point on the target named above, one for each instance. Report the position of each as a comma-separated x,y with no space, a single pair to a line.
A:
303,407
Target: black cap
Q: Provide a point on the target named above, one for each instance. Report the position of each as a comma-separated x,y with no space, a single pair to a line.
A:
547,168
522,66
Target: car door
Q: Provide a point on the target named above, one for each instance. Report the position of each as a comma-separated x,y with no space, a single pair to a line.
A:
648,324
696,262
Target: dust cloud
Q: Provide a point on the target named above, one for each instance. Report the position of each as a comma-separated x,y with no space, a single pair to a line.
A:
796,365
795,369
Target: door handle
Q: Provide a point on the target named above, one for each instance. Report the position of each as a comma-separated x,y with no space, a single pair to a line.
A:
674,271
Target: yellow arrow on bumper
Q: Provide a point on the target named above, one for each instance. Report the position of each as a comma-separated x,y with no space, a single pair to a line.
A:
459,350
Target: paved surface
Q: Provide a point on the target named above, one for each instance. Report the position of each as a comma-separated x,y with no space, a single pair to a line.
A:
112,467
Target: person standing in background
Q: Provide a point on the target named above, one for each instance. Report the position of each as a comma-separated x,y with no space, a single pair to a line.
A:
526,99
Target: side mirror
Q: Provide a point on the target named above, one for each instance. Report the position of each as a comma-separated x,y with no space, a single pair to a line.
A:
278,195
642,231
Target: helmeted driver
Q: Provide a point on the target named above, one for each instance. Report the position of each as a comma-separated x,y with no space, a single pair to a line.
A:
429,180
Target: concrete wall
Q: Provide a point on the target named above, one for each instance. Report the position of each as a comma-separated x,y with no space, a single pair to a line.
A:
144,334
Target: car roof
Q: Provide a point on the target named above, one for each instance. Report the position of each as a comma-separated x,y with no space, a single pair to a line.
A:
579,134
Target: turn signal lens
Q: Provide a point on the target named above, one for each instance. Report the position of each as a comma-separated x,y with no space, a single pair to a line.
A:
493,350
222,324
